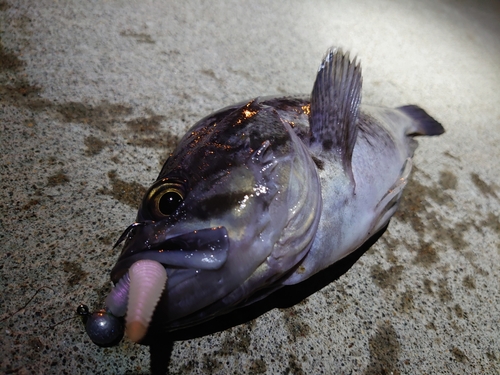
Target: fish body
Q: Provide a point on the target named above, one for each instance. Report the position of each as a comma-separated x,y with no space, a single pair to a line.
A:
268,192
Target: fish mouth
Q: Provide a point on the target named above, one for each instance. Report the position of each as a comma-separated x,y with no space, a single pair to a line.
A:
204,249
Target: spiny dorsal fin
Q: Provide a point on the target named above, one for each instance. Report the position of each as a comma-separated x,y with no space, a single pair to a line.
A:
335,103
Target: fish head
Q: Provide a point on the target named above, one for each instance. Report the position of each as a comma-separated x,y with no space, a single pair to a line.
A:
217,216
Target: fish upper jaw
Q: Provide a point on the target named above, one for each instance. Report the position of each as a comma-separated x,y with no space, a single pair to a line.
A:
205,248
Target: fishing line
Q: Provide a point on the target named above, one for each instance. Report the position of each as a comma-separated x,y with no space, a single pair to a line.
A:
52,326
27,303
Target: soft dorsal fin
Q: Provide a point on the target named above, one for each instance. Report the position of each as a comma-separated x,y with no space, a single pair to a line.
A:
335,100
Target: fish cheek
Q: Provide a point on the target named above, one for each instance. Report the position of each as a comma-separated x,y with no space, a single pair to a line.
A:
219,204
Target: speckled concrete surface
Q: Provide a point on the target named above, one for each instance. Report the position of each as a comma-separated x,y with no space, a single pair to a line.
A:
93,96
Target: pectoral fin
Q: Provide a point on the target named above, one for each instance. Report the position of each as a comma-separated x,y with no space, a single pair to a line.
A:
335,103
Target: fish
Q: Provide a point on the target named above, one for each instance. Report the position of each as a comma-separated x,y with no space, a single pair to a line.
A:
260,195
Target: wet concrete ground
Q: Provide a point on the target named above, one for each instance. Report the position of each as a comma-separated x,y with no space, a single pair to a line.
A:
93,97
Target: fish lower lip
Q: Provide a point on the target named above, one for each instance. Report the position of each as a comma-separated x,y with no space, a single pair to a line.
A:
201,249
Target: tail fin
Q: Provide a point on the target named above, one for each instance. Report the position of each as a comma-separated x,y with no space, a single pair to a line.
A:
424,124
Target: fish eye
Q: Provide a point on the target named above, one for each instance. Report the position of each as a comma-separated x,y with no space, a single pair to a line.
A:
165,198
169,201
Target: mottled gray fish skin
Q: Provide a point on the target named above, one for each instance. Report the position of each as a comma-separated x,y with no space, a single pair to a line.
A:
268,192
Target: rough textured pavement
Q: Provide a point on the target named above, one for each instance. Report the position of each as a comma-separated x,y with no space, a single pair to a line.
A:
95,94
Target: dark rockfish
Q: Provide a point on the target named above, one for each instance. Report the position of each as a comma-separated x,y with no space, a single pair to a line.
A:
260,195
